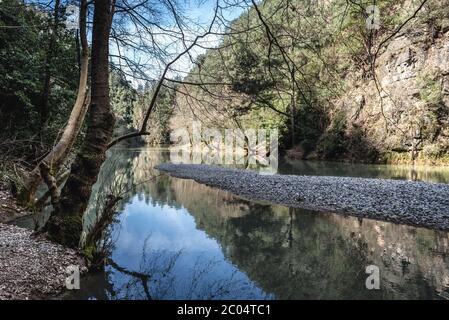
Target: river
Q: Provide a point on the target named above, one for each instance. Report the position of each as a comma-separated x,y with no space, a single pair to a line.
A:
177,239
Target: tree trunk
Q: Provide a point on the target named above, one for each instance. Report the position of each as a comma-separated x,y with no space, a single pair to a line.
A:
65,224
293,108
57,155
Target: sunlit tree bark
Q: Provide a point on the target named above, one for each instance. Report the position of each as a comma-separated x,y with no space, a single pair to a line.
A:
65,224
56,156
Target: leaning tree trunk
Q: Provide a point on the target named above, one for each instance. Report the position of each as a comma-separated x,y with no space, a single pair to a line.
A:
56,156
65,224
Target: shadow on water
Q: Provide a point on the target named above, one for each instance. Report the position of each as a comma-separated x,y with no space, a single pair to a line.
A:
177,239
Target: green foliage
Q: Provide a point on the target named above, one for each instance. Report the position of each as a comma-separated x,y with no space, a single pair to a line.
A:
159,123
433,151
334,143
298,67
432,89
25,34
162,115
130,106
249,76
292,71
123,96
312,122
20,62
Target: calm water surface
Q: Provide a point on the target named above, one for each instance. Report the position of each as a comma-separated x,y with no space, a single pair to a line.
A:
177,239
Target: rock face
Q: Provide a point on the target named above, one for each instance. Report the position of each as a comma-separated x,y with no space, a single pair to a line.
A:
404,114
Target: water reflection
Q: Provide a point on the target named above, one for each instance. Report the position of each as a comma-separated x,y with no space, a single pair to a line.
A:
323,168
176,239
158,253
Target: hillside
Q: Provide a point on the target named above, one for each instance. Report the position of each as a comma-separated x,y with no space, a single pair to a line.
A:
336,88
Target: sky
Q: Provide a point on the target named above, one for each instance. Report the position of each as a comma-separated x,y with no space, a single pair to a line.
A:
197,15
150,234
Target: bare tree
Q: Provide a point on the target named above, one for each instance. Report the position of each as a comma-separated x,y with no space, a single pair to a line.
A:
65,223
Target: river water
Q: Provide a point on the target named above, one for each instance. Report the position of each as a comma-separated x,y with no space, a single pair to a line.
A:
177,239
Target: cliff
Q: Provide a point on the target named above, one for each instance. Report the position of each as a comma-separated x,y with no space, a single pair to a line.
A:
334,88
402,115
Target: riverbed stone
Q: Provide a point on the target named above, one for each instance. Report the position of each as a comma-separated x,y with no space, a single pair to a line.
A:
31,267
415,203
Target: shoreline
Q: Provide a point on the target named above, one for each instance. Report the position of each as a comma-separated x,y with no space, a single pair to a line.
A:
31,266
421,204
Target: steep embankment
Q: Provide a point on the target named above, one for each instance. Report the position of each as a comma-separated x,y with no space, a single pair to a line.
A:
403,115
334,88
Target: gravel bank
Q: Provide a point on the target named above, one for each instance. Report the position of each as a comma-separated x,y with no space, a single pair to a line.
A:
32,267
9,210
408,202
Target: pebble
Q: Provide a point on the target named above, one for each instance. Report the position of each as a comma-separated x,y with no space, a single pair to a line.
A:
407,202
32,267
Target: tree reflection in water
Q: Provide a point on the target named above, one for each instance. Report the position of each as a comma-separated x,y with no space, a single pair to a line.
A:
205,243
157,277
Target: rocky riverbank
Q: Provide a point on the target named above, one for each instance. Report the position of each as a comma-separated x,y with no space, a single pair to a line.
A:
31,267
406,202
9,210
